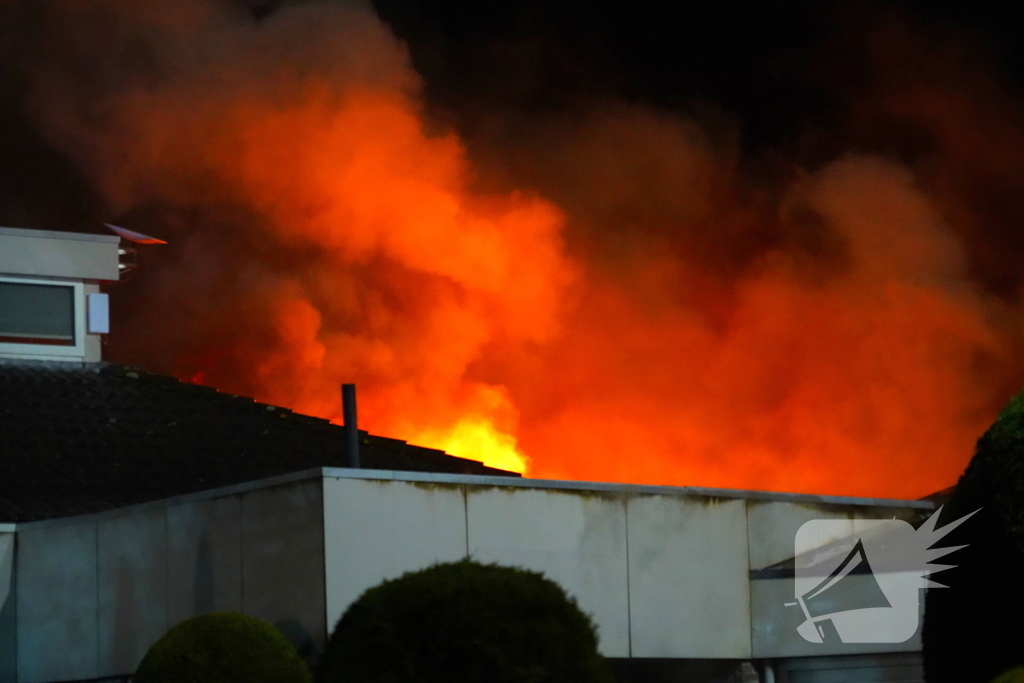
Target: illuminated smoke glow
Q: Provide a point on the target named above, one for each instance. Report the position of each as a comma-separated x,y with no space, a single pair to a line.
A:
619,315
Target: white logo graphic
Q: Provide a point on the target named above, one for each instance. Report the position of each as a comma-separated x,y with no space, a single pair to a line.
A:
859,581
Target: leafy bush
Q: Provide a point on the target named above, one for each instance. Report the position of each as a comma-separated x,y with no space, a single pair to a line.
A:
222,648
971,633
464,621
1012,676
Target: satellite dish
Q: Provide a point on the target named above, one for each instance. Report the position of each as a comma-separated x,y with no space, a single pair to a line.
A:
133,236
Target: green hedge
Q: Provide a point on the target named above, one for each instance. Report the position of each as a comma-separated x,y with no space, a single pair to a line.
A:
464,622
226,647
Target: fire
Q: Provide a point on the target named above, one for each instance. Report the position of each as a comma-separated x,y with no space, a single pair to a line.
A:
478,440
622,302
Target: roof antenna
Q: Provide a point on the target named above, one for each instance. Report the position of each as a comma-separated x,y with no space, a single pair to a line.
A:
127,264
133,236
348,408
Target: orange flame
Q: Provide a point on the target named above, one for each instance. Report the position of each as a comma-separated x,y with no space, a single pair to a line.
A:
651,317
478,439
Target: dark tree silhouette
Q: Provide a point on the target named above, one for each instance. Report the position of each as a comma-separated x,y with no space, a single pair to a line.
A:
971,633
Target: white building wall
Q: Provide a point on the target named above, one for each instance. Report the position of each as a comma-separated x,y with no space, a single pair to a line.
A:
378,530
57,603
640,566
93,595
773,528
131,588
673,575
282,578
204,558
58,254
664,573
688,578
576,538
8,610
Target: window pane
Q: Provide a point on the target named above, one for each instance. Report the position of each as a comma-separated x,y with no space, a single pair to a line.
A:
37,313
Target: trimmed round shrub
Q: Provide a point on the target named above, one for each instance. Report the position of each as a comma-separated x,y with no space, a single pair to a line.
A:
971,633
226,647
464,621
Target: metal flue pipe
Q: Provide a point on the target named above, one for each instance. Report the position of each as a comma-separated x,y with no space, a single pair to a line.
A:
348,407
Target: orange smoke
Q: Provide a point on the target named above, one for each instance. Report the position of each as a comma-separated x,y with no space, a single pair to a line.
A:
648,315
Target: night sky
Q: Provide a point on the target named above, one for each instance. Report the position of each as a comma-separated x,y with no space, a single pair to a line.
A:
783,69
788,76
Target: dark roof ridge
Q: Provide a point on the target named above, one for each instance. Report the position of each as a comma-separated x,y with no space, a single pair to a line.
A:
174,384
78,438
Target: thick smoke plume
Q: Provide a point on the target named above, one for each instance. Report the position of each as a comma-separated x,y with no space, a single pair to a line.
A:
624,296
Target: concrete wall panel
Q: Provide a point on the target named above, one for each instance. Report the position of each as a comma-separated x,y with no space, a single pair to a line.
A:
377,530
772,527
57,603
204,541
577,539
774,541
8,612
688,577
58,254
283,561
775,625
132,589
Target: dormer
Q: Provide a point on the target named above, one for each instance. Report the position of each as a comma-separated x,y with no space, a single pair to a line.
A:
51,307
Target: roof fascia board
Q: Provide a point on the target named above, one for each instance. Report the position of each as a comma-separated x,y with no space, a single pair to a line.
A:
604,487
59,235
475,480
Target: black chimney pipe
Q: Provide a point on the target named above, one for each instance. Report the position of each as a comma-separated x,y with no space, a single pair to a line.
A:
348,407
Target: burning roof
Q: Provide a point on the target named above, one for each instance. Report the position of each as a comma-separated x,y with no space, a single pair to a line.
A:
618,292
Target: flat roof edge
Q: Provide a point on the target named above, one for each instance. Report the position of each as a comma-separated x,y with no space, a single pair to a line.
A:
196,497
59,235
472,480
606,487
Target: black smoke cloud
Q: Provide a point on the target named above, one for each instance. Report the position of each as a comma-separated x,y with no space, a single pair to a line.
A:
785,247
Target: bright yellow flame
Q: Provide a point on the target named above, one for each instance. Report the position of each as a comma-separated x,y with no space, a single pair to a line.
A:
477,439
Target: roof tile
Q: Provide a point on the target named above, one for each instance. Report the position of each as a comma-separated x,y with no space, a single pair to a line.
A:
79,438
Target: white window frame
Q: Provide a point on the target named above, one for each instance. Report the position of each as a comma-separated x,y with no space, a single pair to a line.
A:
48,351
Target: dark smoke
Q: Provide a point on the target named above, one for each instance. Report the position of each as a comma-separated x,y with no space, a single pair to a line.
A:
778,252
